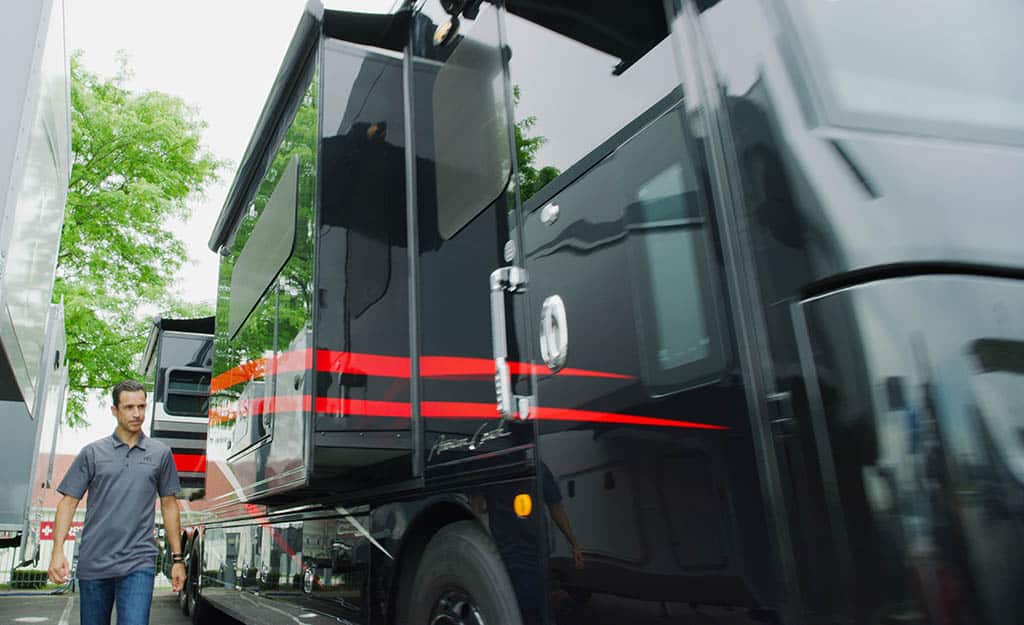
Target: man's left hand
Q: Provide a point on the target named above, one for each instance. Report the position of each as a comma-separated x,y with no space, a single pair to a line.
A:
177,576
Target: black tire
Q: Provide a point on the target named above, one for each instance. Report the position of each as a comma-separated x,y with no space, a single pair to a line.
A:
460,580
202,613
184,601
183,604
187,595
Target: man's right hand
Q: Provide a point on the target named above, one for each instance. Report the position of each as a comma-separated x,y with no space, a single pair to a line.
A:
58,571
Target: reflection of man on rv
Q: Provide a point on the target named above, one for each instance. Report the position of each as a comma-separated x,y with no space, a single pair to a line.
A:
506,508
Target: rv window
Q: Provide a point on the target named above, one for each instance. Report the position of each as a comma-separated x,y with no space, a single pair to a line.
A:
670,249
581,72
177,350
187,405
267,248
188,392
670,256
473,156
190,382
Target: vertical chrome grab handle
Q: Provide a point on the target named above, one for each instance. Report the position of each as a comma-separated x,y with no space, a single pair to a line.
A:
503,280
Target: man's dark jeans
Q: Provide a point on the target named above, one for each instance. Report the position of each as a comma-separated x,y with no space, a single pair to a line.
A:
133,594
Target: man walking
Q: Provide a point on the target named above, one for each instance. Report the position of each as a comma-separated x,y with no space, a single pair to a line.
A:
123,474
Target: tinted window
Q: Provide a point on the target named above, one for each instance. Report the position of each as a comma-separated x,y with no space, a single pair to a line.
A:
185,351
669,254
579,77
186,405
268,248
363,211
182,351
190,382
472,157
669,257
188,392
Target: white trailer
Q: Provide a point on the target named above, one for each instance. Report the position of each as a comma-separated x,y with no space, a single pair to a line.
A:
26,436
35,166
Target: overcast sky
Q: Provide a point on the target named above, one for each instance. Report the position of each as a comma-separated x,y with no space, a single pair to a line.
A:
219,55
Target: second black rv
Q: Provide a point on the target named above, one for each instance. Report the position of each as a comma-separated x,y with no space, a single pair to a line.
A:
177,361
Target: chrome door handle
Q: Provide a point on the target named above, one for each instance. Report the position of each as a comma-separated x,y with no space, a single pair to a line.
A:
503,280
554,333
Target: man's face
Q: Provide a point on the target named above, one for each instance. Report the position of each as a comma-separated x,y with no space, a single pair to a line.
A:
130,410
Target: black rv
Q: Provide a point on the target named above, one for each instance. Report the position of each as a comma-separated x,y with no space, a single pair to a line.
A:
625,312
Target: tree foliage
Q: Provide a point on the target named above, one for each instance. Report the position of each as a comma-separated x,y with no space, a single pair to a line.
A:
531,179
138,160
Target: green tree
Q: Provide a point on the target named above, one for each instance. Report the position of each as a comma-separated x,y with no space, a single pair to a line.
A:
285,310
138,160
531,179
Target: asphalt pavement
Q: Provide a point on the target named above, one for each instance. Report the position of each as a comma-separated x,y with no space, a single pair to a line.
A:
63,609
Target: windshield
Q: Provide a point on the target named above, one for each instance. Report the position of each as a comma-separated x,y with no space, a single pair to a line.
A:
945,67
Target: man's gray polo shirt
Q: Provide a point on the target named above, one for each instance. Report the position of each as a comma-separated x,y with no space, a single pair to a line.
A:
123,484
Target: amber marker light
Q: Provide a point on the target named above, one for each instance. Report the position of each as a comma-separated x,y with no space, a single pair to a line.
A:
523,505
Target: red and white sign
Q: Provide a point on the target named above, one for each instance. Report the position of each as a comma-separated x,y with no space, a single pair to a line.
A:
46,530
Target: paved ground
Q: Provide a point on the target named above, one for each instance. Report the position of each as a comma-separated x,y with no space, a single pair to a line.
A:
63,610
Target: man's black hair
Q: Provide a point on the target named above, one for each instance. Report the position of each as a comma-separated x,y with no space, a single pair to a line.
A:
129,386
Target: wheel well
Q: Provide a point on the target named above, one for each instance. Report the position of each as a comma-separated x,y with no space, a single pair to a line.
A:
427,523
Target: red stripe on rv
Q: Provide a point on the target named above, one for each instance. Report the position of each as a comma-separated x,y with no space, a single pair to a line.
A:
436,366
329,361
364,407
475,410
591,416
190,463
403,410
454,410
285,362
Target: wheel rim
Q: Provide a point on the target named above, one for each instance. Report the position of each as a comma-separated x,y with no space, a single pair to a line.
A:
456,607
